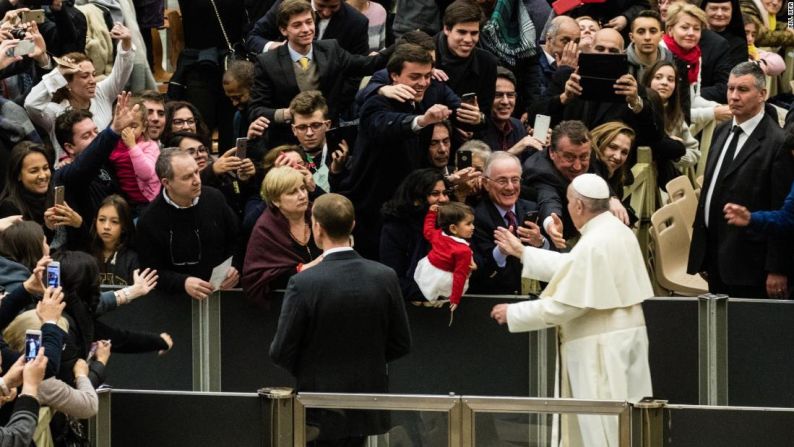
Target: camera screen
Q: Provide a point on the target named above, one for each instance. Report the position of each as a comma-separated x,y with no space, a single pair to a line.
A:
32,345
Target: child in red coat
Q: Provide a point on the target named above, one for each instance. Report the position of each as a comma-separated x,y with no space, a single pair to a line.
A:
445,270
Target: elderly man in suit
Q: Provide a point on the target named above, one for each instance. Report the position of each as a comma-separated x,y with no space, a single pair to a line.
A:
341,322
496,273
302,64
748,164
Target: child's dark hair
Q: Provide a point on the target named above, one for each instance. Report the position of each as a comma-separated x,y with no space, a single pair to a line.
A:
452,213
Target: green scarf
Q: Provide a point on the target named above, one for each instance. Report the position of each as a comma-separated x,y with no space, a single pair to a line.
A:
509,34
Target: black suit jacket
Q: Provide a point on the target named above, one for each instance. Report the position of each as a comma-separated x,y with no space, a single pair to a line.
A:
715,66
275,84
489,278
759,178
348,26
341,322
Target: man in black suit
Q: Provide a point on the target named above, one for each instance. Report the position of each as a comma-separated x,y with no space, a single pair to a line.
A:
335,20
302,64
749,165
547,174
341,322
496,272
392,141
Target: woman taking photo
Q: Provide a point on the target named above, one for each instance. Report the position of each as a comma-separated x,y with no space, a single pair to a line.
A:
29,192
402,244
281,243
72,85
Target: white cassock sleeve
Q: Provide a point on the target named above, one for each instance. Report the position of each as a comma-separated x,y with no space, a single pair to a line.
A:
540,314
541,264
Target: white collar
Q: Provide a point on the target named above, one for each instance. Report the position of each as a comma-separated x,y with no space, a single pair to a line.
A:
748,127
455,238
336,250
174,204
295,56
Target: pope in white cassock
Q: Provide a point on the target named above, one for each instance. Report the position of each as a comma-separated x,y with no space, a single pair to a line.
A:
594,295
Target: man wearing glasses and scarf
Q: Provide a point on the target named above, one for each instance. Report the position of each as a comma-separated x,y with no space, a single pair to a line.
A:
187,230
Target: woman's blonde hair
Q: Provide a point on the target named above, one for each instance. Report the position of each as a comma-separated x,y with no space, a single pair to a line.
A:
278,181
604,134
14,334
677,9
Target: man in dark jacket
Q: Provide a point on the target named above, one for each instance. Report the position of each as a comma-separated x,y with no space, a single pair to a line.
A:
341,323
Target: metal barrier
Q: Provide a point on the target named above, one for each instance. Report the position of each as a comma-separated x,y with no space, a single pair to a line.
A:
698,350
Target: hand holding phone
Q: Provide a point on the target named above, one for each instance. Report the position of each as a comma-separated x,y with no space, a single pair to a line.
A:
54,274
32,344
242,148
462,160
469,98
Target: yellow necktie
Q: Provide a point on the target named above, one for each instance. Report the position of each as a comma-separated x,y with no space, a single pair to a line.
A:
304,63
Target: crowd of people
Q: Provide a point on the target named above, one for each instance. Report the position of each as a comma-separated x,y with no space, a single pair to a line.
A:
455,129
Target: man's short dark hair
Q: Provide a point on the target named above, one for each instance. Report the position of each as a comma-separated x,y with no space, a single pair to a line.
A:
152,96
504,73
407,52
647,14
291,8
65,122
576,132
752,69
462,11
335,214
306,103
418,37
163,166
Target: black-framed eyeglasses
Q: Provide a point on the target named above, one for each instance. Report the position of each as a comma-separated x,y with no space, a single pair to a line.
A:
183,122
191,241
303,128
197,150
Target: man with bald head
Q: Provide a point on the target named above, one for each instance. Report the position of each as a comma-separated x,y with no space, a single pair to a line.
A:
557,61
635,111
594,295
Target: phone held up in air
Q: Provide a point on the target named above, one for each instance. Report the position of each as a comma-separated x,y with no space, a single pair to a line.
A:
32,343
54,274
462,160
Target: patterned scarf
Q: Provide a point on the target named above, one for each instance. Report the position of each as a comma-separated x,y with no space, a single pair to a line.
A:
509,33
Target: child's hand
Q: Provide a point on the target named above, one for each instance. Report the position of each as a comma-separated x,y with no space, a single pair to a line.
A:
128,136
473,265
434,208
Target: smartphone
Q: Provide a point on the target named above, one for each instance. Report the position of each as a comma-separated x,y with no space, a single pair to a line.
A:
32,343
242,147
469,98
35,15
462,159
54,274
541,128
531,216
24,47
59,195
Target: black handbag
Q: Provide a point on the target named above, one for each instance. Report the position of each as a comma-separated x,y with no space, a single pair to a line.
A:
236,52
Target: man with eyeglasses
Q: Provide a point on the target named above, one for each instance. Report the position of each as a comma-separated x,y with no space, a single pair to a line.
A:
187,230
503,132
502,207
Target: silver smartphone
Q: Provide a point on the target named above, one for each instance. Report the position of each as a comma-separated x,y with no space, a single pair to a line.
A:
24,47
32,344
541,128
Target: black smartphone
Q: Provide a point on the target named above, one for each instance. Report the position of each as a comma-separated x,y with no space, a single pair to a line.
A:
469,98
462,160
335,136
531,216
